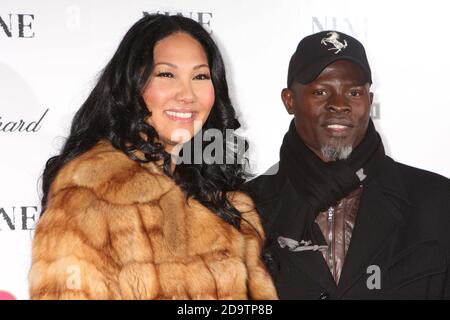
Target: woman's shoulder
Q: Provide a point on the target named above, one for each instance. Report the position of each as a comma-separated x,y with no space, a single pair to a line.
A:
112,176
241,201
92,168
245,205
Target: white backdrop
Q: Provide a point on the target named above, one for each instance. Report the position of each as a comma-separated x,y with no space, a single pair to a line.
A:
52,50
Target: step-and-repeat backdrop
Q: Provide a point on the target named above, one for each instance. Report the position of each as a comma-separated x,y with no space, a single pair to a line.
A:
51,52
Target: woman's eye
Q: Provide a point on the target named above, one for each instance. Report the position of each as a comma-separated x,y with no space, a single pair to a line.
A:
165,74
202,76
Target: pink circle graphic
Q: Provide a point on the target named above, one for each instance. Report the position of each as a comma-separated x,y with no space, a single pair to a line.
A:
6,296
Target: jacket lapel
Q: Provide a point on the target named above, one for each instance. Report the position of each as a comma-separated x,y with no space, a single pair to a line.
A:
314,266
378,216
290,224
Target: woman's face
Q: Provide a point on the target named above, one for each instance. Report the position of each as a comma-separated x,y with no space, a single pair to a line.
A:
179,92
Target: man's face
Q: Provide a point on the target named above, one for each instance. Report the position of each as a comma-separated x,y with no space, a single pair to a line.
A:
331,112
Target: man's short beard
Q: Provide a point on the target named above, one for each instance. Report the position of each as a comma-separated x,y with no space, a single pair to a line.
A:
336,151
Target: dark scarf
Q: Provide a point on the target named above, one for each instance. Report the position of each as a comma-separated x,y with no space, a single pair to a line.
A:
322,184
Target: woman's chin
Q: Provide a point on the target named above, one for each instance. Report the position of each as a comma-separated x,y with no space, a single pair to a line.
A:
174,147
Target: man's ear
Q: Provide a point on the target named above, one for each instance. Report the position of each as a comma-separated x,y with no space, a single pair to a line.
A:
288,100
371,97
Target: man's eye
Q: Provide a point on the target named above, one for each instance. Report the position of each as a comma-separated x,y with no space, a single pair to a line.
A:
202,76
165,75
319,92
355,93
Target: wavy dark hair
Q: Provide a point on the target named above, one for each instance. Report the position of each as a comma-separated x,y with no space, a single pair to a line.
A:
115,111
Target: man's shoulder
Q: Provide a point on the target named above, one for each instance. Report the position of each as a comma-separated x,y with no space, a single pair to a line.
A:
422,187
268,175
428,196
267,184
423,179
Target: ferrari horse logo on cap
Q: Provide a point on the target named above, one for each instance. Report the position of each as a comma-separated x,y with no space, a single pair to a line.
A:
333,38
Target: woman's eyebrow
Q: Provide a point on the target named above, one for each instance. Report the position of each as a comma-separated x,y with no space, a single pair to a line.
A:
175,66
167,63
201,66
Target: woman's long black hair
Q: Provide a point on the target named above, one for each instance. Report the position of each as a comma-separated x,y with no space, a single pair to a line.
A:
115,111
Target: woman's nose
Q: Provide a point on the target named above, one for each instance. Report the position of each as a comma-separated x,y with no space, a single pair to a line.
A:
185,93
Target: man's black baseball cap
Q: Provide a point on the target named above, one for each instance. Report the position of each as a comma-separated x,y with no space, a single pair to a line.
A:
315,52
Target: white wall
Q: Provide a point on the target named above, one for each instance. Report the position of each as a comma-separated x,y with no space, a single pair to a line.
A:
64,44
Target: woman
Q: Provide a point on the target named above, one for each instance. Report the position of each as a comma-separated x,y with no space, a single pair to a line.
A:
120,219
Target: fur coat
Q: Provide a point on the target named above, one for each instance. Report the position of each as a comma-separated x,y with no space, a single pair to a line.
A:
117,229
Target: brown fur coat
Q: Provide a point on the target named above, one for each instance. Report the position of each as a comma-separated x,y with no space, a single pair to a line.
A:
116,229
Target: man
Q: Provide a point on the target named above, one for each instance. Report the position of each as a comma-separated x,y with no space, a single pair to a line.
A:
342,219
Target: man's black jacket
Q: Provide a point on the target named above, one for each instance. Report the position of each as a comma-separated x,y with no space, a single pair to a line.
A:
400,247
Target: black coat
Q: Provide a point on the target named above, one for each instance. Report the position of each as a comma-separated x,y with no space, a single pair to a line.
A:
402,235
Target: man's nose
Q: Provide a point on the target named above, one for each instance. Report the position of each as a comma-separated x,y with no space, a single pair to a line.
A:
185,93
338,103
